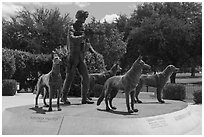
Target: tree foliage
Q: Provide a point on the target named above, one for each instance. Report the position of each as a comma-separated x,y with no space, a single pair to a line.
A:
40,31
163,32
8,64
108,41
166,33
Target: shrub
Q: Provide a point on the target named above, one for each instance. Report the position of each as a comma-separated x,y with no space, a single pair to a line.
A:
9,87
43,62
94,64
97,90
22,72
27,67
8,64
197,97
75,89
28,64
23,66
174,92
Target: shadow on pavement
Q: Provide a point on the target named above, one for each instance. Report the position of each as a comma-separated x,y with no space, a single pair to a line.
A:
72,104
117,112
39,110
153,103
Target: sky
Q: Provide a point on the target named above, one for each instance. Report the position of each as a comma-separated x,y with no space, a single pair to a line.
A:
108,11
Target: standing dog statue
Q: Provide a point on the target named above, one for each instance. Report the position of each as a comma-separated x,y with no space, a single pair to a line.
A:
52,82
126,82
100,78
157,80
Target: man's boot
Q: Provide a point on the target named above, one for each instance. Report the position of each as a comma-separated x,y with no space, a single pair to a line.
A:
64,99
86,101
88,96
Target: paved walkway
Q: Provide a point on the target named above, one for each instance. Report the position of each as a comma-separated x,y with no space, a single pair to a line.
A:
152,118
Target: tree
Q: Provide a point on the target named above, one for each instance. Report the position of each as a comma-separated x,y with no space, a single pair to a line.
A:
10,34
166,34
38,32
123,26
108,41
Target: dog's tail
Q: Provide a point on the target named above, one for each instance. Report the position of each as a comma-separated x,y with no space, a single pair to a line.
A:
100,99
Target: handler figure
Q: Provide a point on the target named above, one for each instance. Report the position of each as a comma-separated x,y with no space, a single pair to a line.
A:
78,46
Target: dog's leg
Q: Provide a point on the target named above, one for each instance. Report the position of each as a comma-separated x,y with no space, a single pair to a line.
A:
39,90
50,89
159,90
137,91
110,102
106,99
58,99
107,106
133,101
112,95
37,95
45,95
127,102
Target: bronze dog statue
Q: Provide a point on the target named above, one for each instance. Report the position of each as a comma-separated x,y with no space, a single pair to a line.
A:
51,82
100,78
126,82
157,80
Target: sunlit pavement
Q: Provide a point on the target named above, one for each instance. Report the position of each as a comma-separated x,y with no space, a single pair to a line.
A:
90,119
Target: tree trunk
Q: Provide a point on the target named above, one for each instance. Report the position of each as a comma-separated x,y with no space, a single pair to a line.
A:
173,78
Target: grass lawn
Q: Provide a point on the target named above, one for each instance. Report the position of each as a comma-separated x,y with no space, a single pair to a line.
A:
186,78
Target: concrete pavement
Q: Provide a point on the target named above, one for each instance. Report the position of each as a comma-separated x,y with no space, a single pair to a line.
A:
174,117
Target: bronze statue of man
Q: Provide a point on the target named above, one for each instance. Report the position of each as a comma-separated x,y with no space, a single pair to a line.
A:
78,44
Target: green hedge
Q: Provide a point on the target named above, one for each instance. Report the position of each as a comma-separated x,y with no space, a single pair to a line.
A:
9,87
95,63
21,66
97,90
28,65
197,97
174,92
8,64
